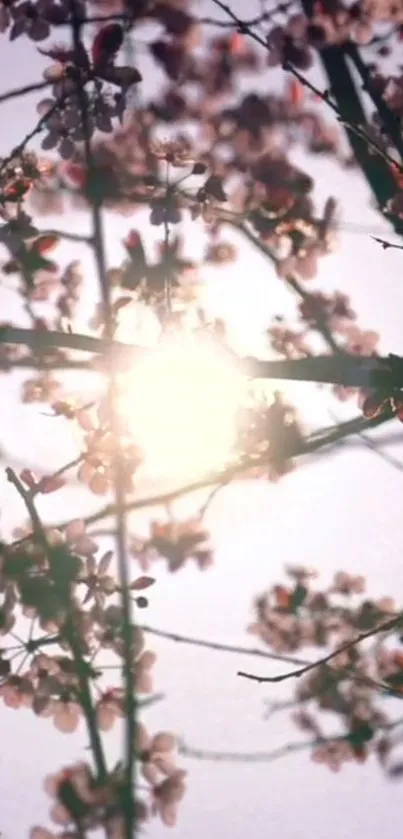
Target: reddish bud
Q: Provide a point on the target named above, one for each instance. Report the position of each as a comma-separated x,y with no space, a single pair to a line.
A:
236,43
132,241
45,243
283,597
295,92
28,478
107,43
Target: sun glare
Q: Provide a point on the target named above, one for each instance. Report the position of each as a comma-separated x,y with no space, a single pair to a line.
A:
181,401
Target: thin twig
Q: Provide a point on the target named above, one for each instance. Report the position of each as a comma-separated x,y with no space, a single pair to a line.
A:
224,648
391,623
19,148
386,245
22,91
251,651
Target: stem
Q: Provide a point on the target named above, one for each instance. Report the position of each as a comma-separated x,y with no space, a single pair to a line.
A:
100,259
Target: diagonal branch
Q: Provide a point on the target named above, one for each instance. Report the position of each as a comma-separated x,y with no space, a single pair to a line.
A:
385,626
310,445
390,120
345,102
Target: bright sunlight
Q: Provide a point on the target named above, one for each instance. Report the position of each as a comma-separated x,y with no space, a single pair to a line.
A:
182,401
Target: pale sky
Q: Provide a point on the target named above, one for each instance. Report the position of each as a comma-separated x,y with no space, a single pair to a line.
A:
338,512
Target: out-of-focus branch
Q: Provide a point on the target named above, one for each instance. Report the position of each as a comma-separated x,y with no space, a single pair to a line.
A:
22,91
342,97
337,104
391,121
347,370
254,757
375,168
19,148
310,445
275,754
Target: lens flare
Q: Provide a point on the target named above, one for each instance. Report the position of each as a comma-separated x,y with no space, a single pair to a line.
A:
181,402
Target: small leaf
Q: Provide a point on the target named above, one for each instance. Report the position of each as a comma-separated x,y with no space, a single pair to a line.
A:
141,583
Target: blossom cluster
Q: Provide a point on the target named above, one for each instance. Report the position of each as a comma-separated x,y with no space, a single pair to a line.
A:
349,683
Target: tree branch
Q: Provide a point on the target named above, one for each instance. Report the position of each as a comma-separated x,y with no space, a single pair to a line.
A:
118,465
392,623
275,754
390,120
310,445
347,370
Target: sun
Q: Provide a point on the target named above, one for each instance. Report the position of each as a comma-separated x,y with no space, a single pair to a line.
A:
181,402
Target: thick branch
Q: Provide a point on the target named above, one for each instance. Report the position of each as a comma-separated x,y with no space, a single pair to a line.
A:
390,120
347,370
